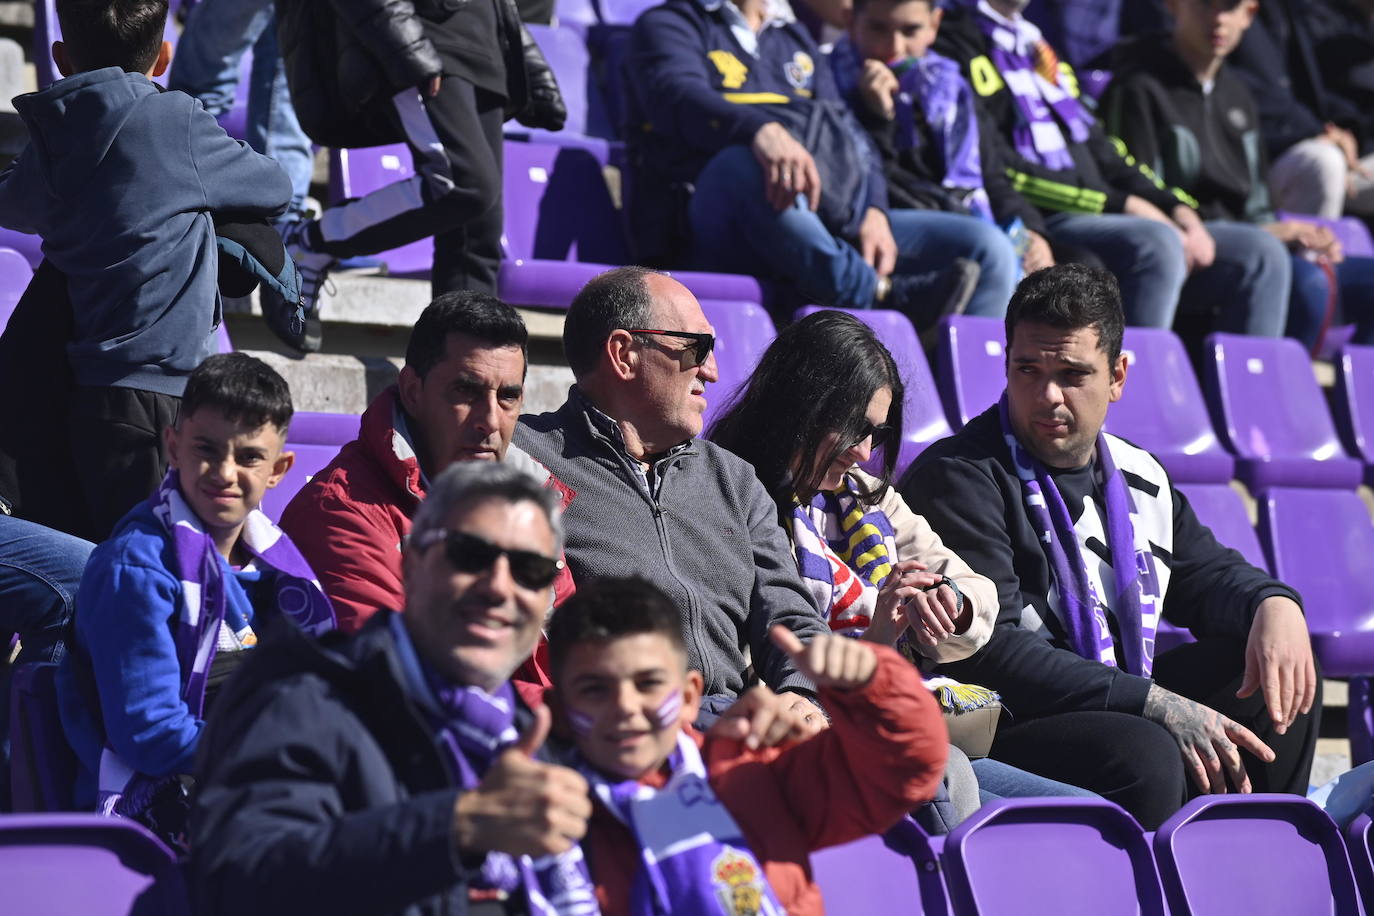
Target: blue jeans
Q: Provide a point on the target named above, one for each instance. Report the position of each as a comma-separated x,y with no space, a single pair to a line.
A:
206,65
735,229
1249,277
1001,780
40,570
1307,310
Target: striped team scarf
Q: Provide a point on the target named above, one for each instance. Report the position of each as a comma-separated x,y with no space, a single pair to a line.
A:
1030,68
845,550
1137,600
201,618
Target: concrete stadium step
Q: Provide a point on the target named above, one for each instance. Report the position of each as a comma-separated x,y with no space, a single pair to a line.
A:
367,322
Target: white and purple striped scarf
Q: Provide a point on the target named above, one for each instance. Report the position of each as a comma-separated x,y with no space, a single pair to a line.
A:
197,624
1082,609
1030,68
845,550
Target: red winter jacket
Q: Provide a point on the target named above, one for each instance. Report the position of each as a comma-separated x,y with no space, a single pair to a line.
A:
882,756
351,519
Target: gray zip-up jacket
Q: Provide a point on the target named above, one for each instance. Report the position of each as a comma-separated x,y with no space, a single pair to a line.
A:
708,536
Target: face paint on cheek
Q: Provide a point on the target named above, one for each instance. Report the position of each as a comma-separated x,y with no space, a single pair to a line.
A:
668,710
581,722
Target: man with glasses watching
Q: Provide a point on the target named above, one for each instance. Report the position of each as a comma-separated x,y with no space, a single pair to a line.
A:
395,771
654,500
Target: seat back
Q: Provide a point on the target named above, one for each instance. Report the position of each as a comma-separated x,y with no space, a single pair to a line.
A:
358,172
622,12
30,246
566,53
970,359
558,206
1222,509
42,763
1254,854
1064,856
923,416
900,874
316,439
15,275
1357,844
1350,231
743,332
1320,543
1271,414
59,864
1162,409
1353,402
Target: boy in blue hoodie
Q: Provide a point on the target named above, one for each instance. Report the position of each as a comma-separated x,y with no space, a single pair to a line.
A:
123,182
191,577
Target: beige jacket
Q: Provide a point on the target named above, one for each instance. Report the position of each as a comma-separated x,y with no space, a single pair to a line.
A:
916,540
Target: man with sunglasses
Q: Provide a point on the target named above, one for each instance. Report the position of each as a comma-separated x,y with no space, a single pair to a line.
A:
457,399
656,501
395,771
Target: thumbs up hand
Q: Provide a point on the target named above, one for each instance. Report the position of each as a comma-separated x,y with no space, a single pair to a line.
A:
829,660
522,806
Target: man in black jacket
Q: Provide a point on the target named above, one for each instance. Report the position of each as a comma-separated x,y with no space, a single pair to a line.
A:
394,773
441,76
1089,544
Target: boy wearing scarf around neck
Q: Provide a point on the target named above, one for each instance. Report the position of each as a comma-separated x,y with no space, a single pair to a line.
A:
683,824
190,578
1090,545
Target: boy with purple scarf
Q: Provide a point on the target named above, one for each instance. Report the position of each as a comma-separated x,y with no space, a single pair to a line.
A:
682,824
189,579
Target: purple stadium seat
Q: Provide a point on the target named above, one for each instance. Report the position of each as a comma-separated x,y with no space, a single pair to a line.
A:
566,52
1353,404
562,229
622,12
900,874
60,864
970,358
1269,410
222,342
42,764
1162,409
578,15
1320,542
1349,231
1357,844
315,438
30,246
923,419
743,332
46,30
15,274
1064,856
1224,854
356,172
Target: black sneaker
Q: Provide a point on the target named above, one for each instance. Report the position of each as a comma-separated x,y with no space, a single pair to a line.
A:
927,298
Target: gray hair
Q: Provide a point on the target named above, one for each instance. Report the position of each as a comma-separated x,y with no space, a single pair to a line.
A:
610,301
476,481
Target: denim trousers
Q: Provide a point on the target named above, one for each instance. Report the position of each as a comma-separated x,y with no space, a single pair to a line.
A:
206,65
735,229
40,570
1247,284
1355,285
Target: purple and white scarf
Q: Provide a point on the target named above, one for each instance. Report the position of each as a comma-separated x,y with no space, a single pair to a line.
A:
198,622
1030,68
1136,600
845,550
694,859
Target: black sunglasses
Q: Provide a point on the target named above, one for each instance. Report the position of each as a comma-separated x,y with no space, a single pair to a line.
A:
468,553
880,435
700,347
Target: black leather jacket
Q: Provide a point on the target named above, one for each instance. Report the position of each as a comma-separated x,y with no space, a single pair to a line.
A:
344,56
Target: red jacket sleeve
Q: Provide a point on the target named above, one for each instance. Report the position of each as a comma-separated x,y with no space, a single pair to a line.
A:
354,549
883,755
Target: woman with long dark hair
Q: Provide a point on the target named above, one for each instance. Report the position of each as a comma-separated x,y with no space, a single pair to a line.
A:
824,397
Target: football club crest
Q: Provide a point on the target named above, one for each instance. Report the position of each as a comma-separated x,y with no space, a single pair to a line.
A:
739,884
799,70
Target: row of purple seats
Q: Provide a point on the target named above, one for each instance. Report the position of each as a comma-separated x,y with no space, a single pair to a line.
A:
1021,857
561,224
60,864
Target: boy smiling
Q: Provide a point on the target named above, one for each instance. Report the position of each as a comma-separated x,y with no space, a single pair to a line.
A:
188,579
683,824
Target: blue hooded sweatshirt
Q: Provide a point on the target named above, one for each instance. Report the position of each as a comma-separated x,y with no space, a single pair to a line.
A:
121,180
